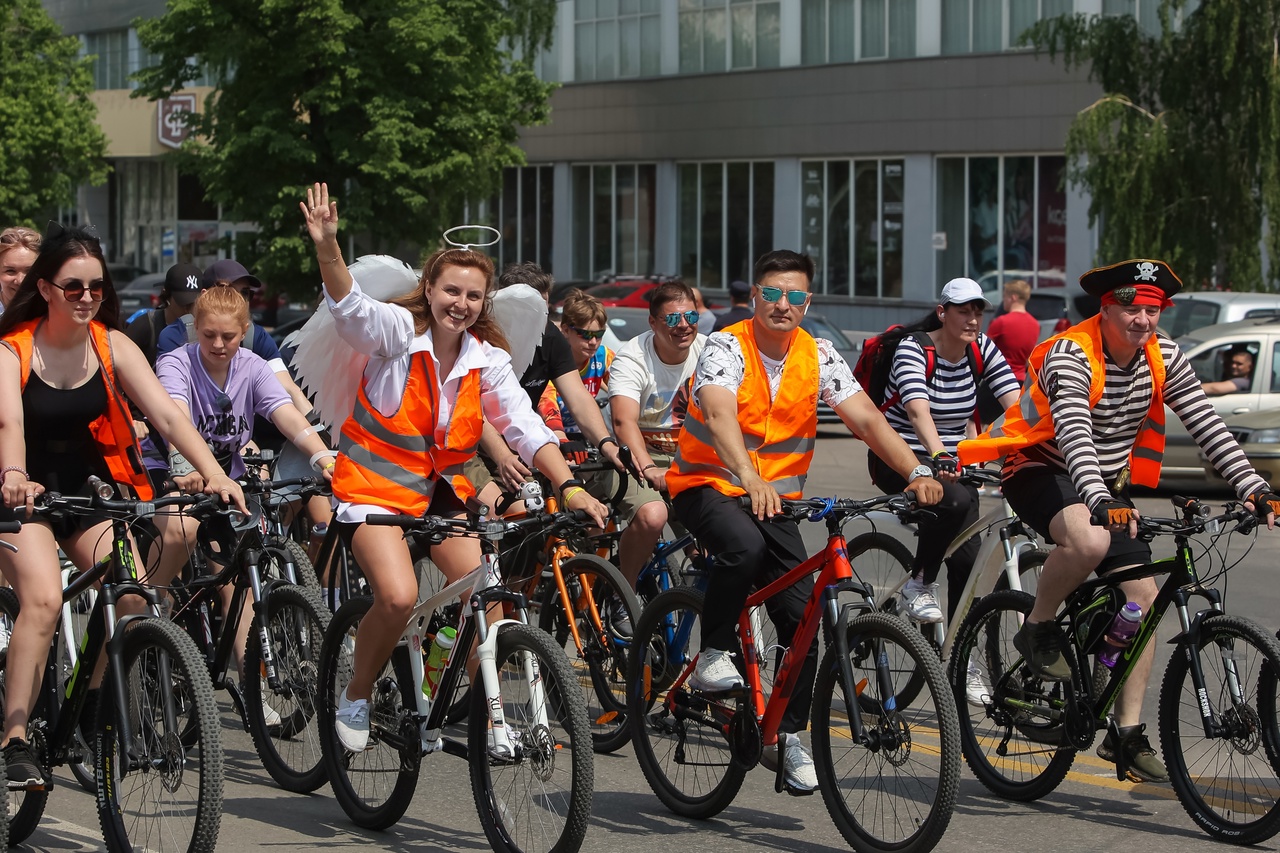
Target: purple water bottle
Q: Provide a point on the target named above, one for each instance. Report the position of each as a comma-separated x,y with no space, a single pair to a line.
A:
1120,634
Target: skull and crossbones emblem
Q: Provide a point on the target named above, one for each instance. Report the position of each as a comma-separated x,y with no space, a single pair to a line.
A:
1146,272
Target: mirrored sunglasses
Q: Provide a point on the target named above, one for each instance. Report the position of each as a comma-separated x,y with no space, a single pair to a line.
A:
773,294
673,320
588,334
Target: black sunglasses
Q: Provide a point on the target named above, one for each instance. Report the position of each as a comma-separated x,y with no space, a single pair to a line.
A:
588,334
73,291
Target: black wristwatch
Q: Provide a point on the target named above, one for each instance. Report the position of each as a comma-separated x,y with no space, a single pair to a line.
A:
608,438
570,483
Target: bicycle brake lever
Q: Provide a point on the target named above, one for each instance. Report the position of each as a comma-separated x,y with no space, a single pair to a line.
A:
8,546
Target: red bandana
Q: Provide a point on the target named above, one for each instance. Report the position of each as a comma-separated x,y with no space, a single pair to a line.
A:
1137,294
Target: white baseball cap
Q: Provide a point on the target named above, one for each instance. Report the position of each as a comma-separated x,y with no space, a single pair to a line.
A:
959,291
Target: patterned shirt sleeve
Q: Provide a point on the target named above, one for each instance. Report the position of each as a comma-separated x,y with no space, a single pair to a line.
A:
721,363
836,383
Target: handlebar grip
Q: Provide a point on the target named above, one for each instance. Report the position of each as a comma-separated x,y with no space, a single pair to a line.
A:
380,520
10,526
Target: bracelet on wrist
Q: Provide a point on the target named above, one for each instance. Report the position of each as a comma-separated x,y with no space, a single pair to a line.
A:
316,457
569,484
942,452
568,496
607,440
4,473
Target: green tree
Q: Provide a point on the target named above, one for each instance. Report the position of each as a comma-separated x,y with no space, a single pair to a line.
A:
1181,154
405,107
50,142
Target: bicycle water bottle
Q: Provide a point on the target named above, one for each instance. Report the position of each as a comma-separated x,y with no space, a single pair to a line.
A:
317,539
437,658
1120,634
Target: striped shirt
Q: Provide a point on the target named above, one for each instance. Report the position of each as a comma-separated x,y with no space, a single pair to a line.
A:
952,392
1094,444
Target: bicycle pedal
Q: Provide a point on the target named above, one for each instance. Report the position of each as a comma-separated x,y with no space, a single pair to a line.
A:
798,792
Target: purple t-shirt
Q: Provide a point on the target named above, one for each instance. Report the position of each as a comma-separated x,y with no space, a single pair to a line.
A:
222,416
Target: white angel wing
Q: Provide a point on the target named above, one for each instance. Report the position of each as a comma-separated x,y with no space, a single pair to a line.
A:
522,313
328,369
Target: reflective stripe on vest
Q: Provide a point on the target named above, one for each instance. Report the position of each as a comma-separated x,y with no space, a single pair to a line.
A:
1029,421
779,434
113,430
393,461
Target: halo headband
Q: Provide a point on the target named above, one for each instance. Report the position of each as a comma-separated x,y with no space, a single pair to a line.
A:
497,235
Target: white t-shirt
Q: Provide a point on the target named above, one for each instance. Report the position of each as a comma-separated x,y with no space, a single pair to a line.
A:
638,374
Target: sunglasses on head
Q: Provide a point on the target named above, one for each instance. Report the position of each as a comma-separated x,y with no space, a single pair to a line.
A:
673,320
73,291
223,402
588,334
773,294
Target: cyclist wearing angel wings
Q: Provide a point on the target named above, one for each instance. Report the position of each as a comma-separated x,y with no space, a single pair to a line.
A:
1089,422
436,369
750,430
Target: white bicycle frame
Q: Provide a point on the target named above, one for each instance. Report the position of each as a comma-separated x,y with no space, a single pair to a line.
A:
985,569
70,636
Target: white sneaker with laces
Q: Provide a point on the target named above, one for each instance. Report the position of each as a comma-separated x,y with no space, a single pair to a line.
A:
503,744
270,716
715,672
921,601
798,769
976,690
352,723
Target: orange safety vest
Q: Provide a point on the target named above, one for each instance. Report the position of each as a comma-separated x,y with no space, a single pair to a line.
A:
780,433
393,462
1029,422
112,431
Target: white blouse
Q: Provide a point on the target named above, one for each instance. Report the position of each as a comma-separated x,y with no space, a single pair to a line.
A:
385,333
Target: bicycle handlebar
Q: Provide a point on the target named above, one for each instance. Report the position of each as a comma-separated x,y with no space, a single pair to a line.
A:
51,502
439,528
817,509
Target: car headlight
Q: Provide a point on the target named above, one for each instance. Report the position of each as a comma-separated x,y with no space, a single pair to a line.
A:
1264,436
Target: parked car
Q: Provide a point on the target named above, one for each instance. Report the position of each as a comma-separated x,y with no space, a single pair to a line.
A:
627,291
1259,437
142,292
625,323
1209,349
125,273
1193,311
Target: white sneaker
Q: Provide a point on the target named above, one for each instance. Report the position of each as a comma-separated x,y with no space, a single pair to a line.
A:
799,772
352,723
5,632
715,672
921,600
976,690
270,716
504,743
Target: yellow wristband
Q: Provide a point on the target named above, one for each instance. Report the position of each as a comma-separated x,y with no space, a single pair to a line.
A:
567,496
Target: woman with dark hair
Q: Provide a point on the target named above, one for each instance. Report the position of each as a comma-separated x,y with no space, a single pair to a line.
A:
437,369
67,374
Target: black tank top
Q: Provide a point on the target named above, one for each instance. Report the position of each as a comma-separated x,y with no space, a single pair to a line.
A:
61,453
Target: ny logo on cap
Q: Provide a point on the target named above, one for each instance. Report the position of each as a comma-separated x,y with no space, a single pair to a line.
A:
192,283
1146,272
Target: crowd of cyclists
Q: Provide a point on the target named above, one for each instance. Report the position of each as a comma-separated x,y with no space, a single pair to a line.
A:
713,434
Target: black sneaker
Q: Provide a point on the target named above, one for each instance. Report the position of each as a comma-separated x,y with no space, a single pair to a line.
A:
1141,760
22,766
1041,644
618,618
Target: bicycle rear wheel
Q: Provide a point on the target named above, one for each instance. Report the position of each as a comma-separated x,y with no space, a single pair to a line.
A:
1228,784
290,750
154,791
688,764
600,665
24,808
541,799
1014,742
880,560
374,787
898,796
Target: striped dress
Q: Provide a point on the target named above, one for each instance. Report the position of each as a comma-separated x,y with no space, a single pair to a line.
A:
1094,445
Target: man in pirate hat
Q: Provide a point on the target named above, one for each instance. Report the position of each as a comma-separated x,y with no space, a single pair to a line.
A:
1089,422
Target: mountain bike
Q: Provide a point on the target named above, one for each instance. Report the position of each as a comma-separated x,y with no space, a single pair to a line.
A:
1217,716
888,769
154,788
528,744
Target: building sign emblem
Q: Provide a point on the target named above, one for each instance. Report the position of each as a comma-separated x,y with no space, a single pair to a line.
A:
172,129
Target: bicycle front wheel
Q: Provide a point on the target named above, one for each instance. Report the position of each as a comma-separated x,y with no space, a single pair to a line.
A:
283,721
1227,783
598,596
899,795
687,762
154,791
278,552
540,798
1013,742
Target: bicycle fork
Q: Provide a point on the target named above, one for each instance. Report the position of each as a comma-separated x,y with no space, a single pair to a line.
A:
836,617
1189,640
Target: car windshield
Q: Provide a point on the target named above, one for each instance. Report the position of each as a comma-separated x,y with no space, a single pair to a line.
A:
820,328
627,324
1044,306
1187,315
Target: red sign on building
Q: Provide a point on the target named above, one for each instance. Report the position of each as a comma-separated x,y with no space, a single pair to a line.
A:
172,129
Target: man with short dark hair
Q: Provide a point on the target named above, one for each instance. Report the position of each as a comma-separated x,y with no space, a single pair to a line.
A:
1239,376
739,306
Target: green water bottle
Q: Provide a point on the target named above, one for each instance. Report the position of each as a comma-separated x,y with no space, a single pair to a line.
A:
437,659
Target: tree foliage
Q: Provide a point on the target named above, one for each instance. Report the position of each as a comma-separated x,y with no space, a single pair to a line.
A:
50,142
1180,155
405,107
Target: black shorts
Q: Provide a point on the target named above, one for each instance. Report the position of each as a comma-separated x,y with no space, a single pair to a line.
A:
444,502
1039,494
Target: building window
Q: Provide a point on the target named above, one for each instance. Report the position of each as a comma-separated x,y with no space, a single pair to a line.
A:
616,38
1002,218
719,35
1146,11
109,50
613,220
523,212
725,221
849,30
852,225
988,26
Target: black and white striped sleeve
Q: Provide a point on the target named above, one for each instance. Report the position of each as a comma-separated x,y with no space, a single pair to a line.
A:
1184,394
995,369
1066,377
908,373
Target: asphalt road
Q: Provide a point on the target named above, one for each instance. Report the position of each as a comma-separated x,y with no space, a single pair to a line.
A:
1091,811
